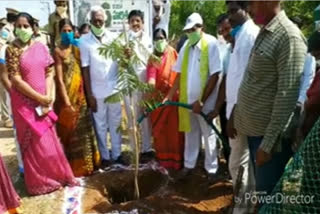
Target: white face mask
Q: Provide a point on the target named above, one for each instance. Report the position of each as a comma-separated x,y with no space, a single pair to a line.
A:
134,35
61,10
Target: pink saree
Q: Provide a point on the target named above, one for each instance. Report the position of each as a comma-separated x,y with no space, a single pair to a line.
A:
45,165
8,196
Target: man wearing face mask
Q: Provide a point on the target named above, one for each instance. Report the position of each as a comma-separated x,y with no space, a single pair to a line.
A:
143,49
100,79
269,91
54,19
11,18
199,66
244,33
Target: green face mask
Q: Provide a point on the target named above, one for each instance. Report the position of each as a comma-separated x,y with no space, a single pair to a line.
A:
97,31
160,45
194,37
24,34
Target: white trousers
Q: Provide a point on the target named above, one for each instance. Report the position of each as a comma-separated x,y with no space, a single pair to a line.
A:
240,156
145,124
200,132
108,117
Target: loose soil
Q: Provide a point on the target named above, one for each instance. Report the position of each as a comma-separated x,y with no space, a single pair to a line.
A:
107,192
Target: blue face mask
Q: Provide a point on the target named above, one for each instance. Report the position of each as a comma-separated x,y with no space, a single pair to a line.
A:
235,31
67,38
4,34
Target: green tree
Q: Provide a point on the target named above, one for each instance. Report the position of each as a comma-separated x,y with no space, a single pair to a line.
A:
304,10
210,10
128,83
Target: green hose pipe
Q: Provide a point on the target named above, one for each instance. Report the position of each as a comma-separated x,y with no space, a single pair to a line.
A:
187,106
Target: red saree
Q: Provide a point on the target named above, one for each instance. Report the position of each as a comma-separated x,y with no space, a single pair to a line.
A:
168,141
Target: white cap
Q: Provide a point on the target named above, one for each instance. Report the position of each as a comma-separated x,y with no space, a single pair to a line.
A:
192,20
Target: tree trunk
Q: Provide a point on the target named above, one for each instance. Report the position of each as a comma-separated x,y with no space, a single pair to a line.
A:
136,149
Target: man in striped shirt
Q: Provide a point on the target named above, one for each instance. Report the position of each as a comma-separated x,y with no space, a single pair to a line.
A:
269,91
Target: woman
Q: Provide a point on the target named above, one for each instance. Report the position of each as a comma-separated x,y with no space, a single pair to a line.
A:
31,72
168,142
74,125
9,200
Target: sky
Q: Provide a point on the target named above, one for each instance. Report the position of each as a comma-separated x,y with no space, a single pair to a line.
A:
40,9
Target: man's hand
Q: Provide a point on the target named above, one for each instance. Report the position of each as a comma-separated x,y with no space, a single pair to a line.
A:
231,131
197,107
92,103
213,114
262,157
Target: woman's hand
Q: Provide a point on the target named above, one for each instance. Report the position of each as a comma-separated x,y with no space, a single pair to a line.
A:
45,100
45,110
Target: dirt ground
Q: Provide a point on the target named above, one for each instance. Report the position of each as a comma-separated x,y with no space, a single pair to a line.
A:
112,191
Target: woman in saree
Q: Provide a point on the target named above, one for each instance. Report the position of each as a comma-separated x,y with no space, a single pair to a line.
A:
74,126
30,68
9,200
168,141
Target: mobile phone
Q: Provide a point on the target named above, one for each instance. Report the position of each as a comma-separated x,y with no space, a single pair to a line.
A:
39,111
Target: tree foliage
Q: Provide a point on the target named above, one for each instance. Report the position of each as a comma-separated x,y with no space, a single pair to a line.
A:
210,10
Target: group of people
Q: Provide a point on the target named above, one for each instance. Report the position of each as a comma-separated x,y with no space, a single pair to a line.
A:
257,76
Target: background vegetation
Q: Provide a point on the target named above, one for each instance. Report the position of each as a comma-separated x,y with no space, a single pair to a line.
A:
210,10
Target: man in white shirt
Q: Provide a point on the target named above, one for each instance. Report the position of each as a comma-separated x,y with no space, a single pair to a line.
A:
100,79
143,49
244,33
198,83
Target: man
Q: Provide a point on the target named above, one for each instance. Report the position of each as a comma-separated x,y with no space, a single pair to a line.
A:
225,47
38,35
161,14
269,91
11,19
100,78
312,103
6,36
199,65
54,19
244,32
5,86
143,49
292,133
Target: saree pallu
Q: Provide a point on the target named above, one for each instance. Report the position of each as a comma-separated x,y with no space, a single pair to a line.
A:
168,141
75,128
9,200
46,168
